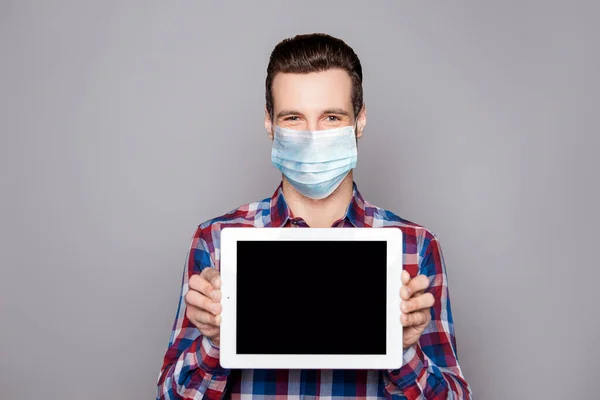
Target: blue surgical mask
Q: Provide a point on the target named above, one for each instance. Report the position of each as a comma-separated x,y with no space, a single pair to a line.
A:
314,162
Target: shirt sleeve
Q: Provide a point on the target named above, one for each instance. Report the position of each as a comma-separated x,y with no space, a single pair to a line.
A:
431,369
191,368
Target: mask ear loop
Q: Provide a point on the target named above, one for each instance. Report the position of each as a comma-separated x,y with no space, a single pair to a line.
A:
356,134
356,128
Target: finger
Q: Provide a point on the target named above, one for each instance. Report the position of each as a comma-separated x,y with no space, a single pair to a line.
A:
418,283
213,276
199,317
405,292
416,303
405,277
198,300
419,318
423,302
200,284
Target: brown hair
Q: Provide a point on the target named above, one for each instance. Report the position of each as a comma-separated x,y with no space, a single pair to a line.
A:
315,52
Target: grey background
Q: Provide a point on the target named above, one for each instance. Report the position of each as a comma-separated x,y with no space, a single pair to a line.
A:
125,124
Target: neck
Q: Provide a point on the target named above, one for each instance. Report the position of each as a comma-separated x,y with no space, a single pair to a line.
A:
319,213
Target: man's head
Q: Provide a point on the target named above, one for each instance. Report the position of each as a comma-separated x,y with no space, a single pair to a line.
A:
314,82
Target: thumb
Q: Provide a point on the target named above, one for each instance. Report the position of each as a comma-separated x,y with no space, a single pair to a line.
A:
212,276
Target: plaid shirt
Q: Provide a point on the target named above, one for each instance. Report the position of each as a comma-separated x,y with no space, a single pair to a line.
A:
191,368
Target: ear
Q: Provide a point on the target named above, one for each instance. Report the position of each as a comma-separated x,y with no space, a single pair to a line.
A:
361,121
268,124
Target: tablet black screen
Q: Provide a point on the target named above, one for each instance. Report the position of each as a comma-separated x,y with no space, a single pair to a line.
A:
311,297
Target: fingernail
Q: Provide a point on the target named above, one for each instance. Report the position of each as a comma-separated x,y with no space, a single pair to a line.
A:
214,308
218,320
216,295
217,282
405,306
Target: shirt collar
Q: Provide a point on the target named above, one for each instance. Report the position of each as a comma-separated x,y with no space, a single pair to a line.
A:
280,212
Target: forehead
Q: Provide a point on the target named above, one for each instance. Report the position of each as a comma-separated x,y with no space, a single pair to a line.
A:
315,90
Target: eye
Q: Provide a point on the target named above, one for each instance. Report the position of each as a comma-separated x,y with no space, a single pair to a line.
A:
332,118
291,118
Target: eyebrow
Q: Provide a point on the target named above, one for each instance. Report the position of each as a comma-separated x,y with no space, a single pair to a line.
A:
338,111
285,113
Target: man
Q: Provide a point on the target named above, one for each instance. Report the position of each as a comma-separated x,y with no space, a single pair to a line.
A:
314,115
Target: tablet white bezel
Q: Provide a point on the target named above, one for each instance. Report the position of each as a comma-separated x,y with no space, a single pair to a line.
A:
228,265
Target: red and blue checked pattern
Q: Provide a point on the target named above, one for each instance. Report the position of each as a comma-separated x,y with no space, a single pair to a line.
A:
191,368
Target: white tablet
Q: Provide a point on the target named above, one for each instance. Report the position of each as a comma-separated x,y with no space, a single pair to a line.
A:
311,298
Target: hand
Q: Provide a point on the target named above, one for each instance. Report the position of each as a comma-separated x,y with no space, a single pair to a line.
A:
415,308
203,301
